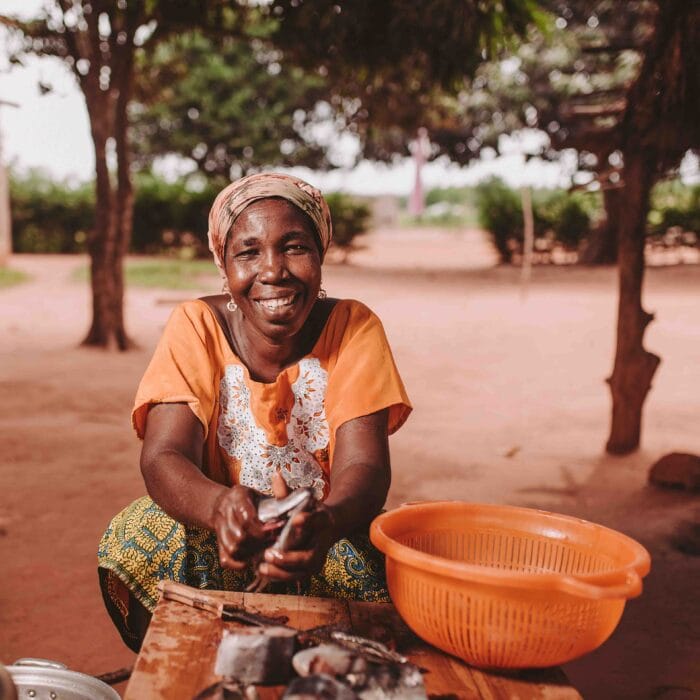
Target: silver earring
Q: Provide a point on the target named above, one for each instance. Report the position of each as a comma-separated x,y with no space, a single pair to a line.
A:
231,305
322,293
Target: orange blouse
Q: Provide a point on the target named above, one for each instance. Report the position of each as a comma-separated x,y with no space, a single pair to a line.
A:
252,428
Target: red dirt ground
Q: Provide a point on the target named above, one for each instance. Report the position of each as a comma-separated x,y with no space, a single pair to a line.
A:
510,407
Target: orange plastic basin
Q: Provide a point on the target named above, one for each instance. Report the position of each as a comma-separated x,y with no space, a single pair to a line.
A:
507,587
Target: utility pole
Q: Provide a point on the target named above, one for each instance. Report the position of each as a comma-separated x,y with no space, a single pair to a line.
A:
5,218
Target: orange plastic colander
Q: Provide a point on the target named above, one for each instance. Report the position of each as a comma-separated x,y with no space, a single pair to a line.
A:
507,587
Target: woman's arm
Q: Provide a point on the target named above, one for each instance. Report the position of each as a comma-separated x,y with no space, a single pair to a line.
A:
361,473
360,480
171,460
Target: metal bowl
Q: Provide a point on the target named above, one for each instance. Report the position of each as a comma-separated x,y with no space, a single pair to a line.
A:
40,679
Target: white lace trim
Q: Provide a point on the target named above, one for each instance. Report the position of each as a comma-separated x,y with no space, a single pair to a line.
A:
307,431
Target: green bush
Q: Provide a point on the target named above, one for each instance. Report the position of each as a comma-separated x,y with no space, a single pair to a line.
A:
170,216
350,218
450,195
500,212
560,217
674,205
53,217
445,207
50,217
565,214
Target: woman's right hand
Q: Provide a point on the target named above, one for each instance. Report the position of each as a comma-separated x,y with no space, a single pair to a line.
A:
238,531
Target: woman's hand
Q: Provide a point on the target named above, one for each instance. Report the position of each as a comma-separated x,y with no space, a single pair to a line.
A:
312,535
309,541
238,531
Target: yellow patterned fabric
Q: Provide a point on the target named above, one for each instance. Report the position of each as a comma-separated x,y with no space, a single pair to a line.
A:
144,545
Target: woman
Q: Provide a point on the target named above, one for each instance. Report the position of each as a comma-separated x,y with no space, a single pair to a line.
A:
268,387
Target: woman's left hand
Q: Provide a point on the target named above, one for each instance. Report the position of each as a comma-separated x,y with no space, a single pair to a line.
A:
311,537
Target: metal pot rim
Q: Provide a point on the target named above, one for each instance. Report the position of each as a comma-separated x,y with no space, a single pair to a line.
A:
57,677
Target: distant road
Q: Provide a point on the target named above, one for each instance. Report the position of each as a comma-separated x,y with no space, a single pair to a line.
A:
425,248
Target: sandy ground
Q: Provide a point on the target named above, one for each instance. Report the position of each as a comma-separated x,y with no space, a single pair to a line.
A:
510,407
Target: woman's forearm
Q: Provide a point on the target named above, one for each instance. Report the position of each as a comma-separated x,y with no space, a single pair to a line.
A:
357,495
360,474
180,489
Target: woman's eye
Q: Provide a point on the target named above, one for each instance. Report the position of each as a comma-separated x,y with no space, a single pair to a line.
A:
248,253
297,248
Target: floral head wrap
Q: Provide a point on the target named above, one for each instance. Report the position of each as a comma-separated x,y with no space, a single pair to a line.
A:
232,200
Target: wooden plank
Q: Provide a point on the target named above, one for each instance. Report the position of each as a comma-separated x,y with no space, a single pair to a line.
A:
176,659
179,651
178,654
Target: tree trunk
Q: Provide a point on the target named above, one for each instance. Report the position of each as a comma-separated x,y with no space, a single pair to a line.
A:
601,246
114,203
124,199
634,367
107,327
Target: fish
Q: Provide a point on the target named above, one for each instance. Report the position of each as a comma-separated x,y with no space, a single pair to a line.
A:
389,682
256,655
275,508
318,687
228,690
374,651
329,659
296,502
372,671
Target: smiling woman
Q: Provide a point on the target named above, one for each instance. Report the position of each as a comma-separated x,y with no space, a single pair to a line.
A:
272,264
267,387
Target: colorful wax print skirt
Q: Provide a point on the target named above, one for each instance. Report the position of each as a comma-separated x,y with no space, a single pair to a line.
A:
144,545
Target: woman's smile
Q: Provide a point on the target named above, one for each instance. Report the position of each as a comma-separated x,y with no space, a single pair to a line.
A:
279,307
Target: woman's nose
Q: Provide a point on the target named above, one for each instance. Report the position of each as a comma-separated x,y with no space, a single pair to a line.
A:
272,266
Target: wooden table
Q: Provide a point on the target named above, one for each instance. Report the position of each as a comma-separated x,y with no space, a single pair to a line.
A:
177,658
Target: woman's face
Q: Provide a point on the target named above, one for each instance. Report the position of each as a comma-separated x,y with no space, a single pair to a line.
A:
273,267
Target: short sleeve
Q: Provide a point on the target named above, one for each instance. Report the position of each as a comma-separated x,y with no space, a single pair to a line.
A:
181,370
364,378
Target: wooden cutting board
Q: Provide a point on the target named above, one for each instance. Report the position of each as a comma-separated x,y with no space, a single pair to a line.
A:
177,658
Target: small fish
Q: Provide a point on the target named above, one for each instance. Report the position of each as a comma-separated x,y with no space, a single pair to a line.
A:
275,508
296,502
389,682
228,690
319,687
329,659
374,651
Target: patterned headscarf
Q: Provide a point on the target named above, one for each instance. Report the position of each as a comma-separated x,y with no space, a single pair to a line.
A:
232,200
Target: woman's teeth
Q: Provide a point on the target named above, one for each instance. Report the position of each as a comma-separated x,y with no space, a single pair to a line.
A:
272,304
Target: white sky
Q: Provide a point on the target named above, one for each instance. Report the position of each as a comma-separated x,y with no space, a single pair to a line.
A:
52,132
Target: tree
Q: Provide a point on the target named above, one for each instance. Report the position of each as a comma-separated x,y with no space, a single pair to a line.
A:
371,63
389,63
661,122
99,41
384,51
568,80
633,131
229,106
